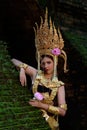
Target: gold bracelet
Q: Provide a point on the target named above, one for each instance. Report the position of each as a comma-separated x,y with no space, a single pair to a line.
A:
63,106
53,109
23,65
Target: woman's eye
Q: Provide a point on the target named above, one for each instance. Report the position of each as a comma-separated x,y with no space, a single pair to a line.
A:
49,62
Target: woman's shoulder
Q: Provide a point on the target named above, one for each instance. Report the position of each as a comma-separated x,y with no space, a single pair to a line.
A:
61,82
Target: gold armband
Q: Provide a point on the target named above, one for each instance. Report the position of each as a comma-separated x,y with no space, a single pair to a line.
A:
63,106
54,110
23,65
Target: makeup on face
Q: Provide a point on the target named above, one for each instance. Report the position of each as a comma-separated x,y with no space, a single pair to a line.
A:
47,65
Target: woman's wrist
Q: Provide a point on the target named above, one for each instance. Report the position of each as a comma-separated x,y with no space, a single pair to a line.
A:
43,106
53,109
22,69
23,65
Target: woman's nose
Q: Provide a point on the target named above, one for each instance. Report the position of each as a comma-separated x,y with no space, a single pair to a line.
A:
45,66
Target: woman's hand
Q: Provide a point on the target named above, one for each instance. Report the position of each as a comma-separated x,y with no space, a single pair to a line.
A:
22,77
35,103
38,104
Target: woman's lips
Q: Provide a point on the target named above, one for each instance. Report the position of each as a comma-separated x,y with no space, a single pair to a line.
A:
46,69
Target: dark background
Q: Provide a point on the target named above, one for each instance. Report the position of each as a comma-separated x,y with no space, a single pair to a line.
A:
17,18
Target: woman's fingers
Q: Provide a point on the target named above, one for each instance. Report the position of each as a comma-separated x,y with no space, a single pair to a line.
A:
33,103
25,82
22,77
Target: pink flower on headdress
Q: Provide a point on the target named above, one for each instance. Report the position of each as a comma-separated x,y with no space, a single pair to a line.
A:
56,51
38,96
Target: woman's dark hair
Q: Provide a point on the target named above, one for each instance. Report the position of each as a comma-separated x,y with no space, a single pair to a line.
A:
46,56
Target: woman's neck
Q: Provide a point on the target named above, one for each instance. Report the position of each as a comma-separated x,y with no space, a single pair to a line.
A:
48,76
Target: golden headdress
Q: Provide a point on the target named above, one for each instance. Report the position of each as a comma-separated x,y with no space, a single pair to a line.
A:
49,41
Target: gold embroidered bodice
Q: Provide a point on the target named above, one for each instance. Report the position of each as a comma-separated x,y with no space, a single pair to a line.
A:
51,85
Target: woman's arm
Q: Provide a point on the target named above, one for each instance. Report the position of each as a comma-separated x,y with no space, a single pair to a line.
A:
24,69
62,106
62,101
60,110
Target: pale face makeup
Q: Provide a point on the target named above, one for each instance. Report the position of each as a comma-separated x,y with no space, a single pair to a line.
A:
47,65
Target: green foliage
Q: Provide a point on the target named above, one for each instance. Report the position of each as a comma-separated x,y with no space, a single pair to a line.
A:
15,112
79,42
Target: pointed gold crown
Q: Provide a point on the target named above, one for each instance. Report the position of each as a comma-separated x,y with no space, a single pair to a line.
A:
48,40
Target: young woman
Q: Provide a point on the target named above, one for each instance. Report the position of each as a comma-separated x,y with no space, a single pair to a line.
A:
48,91
52,99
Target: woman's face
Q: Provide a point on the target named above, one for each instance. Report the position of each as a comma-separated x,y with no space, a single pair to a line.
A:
47,65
